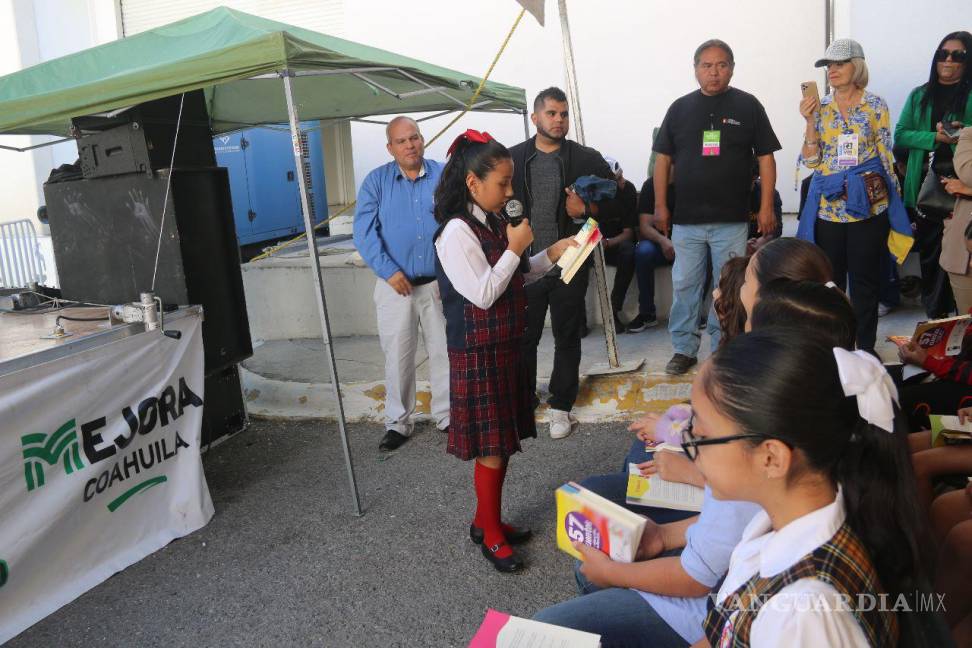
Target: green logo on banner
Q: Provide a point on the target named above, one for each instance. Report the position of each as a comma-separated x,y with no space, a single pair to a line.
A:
4,572
40,449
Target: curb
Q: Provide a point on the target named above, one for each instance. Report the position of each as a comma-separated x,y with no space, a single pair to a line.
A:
601,398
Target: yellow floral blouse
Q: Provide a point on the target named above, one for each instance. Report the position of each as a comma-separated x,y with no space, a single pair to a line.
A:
871,121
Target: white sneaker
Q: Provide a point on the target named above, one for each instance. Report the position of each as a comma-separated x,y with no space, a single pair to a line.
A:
883,310
561,424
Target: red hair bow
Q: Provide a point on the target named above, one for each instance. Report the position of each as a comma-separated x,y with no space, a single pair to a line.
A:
470,136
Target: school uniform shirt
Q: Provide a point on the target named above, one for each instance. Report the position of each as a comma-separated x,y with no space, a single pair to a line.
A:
870,121
461,255
790,617
708,547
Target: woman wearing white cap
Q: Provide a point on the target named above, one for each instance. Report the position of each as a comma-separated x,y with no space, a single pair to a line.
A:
853,211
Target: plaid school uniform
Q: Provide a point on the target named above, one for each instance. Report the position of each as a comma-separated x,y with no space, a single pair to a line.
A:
490,399
843,562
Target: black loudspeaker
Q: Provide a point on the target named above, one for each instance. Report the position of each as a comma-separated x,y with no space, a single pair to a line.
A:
105,232
224,412
140,139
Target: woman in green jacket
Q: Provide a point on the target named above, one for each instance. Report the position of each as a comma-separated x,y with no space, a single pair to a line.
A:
945,98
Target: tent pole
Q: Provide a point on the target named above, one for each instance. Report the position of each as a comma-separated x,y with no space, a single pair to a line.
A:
600,273
315,264
526,125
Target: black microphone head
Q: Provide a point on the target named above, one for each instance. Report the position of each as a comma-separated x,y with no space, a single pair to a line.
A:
514,211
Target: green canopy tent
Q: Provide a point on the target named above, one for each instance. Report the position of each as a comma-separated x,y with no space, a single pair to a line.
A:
253,71
238,59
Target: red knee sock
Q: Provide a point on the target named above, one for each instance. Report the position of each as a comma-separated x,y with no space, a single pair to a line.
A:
489,498
477,522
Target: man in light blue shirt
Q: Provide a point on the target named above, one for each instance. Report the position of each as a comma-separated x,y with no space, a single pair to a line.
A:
393,229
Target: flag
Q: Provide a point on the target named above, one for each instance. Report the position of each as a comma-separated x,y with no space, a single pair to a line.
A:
535,7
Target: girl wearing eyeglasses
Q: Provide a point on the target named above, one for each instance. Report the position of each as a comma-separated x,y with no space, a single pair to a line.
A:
943,101
809,433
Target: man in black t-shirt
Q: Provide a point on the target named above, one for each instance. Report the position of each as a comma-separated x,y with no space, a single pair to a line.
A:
711,137
618,223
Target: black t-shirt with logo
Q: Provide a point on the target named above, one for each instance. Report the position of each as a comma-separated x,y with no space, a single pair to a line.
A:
621,214
714,188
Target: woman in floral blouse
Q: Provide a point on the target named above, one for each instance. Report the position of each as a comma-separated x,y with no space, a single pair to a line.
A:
853,211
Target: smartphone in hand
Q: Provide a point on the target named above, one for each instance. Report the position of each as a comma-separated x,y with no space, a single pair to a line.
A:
809,89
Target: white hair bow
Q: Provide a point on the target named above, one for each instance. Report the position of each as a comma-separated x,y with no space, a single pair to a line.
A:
862,375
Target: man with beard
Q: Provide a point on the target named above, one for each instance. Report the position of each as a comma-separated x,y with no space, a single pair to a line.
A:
544,168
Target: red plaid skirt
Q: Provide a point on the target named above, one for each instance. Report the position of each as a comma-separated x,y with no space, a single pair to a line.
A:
490,401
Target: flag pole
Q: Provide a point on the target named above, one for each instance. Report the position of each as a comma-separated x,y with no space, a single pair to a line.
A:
600,273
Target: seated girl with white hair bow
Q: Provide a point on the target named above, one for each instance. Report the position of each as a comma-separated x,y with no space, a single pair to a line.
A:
811,434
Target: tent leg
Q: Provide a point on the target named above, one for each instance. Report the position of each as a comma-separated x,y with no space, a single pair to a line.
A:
600,272
526,125
315,264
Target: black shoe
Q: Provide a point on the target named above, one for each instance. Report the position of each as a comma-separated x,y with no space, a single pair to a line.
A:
640,323
508,565
392,441
679,364
514,537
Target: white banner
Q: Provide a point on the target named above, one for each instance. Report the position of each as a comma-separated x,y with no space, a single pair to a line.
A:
99,466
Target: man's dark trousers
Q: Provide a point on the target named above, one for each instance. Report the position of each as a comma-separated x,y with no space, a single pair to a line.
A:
566,303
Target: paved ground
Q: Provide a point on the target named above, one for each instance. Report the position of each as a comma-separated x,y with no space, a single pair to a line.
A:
285,563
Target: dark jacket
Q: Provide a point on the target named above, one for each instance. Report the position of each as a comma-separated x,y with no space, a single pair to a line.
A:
576,161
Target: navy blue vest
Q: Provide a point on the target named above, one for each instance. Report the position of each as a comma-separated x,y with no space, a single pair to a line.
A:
469,326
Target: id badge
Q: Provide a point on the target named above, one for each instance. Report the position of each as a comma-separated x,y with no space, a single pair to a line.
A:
710,143
847,149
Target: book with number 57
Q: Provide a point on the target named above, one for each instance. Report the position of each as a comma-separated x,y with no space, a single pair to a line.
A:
584,516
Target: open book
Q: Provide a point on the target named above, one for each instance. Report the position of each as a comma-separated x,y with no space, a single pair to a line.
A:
500,630
947,430
655,491
940,338
585,516
574,257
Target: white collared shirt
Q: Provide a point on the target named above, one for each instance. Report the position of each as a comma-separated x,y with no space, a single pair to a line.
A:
807,612
462,257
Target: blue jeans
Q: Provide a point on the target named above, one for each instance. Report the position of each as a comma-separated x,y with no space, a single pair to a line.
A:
693,245
615,486
621,616
647,257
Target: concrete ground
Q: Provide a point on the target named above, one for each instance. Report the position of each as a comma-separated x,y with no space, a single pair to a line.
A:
284,562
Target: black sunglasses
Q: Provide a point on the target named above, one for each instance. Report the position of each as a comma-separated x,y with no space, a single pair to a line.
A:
691,443
958,56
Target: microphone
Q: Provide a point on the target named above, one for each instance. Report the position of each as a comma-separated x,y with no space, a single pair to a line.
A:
513,211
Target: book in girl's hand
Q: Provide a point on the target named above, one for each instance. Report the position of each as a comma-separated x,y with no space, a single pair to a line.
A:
948,430
585,516
655,491
574,257
940,338
500,630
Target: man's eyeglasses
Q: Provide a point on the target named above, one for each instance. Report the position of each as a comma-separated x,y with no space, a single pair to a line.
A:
958,56
691,443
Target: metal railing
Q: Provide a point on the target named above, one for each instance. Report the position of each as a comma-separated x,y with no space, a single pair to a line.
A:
20,256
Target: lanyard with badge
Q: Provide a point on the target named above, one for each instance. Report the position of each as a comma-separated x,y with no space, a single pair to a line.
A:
712,138
847,149
848,143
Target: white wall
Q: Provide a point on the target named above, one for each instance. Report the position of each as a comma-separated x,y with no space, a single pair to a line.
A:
633,59
33,31
899,58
